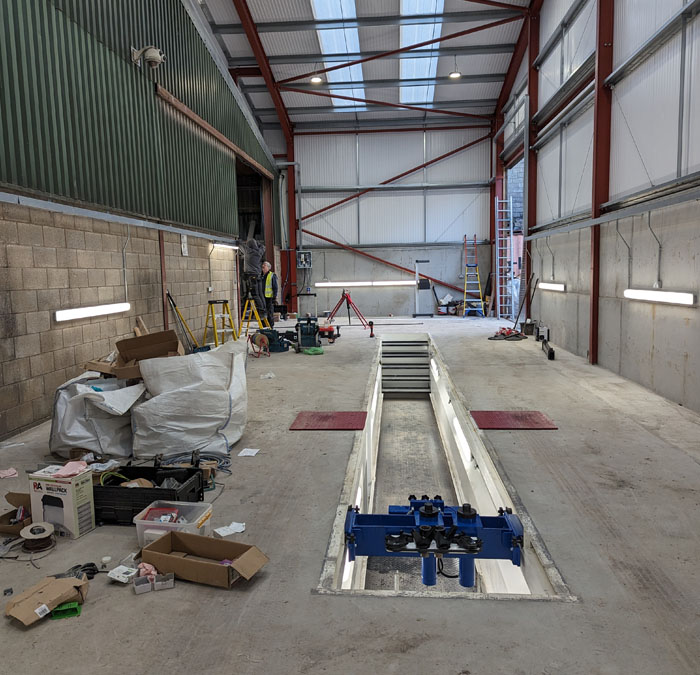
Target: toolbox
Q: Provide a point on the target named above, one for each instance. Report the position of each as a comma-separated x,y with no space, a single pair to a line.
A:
117,505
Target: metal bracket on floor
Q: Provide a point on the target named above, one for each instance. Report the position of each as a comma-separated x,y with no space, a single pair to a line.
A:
428,529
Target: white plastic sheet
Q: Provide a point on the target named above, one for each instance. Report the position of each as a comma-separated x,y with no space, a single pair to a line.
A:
200,402
94,414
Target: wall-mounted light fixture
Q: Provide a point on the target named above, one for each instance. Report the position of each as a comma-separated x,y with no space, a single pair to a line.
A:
360,284
668,297
87,312
218,245
552,286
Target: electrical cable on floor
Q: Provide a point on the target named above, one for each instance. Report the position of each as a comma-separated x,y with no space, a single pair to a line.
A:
222,463
441,571
89,569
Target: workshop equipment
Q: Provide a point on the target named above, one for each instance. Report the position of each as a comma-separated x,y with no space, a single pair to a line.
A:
307,334
345,298
504,258
549,351
421,285
330,333
224,315
188,338
428,529
260,344
276,342
472,281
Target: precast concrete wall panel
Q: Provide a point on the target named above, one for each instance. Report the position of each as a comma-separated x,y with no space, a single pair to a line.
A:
644,142
636,21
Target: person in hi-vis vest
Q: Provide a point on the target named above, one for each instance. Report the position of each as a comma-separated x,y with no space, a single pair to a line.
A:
269,283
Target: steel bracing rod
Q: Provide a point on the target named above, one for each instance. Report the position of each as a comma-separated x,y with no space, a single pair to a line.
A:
451,36
404,106
357,251
501,5
397,177
259,51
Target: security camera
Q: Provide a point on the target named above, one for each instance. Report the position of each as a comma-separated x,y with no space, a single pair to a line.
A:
151,55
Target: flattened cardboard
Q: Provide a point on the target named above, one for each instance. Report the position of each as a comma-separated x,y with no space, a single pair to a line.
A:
15,499
49,592
196,558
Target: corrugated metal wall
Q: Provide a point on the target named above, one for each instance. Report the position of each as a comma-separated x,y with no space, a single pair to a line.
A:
79,121
396,217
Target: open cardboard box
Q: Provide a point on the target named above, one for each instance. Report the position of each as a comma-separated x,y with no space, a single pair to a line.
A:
38,601
132,350
15,499
196,558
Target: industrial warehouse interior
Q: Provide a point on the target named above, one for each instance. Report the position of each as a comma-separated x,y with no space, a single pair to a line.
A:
356,336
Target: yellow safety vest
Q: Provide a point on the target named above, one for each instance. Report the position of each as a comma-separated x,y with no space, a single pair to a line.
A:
268,284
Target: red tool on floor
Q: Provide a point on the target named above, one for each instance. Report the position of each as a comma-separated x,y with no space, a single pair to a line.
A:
261,342
345,298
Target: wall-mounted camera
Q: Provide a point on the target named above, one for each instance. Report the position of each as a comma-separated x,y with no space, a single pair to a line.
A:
151,55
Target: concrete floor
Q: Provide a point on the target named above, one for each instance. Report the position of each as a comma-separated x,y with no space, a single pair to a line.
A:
614,493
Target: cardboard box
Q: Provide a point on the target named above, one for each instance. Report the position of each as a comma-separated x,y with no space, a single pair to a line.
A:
132,350
16,499
196,558
66,502
37,602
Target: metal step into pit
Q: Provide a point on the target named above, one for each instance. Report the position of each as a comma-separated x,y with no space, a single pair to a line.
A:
405,364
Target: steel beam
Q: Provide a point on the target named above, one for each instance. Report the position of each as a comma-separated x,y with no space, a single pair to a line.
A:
387,130
602,114
502,5
383,84
397,177
357,251
471,185
387,104
369,21
429,106
291,59
407,48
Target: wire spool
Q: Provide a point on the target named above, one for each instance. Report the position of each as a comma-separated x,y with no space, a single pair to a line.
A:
37,537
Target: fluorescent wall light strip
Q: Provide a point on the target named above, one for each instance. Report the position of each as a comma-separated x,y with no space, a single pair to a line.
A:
670,297
86,312
217,245
361,284
551,286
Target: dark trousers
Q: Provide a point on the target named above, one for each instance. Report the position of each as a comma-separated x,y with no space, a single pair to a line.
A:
270,309
254,286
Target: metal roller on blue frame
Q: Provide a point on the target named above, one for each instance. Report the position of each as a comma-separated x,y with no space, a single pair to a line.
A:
428,529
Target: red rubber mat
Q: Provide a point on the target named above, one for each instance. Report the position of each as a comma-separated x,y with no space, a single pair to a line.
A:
314,420
512,419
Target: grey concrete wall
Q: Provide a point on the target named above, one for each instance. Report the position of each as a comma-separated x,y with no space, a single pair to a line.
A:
653,344
51,261
330,264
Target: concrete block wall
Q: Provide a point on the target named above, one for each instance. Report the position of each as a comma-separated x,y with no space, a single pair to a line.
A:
331,264
51,261
653,344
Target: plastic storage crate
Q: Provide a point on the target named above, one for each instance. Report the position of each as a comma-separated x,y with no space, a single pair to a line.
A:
116,505
198,518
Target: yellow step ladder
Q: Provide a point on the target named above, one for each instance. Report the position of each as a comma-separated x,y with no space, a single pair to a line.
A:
224,315
250,310
473,294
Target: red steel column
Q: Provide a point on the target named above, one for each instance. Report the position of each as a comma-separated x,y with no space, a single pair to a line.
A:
601,156
533,104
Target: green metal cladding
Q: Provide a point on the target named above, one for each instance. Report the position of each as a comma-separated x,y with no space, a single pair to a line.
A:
78,120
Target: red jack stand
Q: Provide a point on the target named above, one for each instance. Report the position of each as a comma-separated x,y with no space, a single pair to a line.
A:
345,298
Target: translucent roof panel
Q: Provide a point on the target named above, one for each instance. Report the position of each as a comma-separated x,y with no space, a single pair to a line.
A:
340,41
413,34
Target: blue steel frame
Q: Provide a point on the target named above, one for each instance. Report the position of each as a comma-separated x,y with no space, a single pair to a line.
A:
428,529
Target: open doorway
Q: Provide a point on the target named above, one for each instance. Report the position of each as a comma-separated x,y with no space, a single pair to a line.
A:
250,221
514,186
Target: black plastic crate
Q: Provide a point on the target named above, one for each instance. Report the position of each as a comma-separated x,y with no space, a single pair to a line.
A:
116,505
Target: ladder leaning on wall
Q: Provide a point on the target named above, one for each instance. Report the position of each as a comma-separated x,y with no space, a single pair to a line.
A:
504,258
473,295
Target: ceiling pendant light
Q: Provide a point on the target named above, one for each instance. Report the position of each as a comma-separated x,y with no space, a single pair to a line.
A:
455,74
316,79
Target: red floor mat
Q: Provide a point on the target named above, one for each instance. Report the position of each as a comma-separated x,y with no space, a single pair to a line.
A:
512,419
314,420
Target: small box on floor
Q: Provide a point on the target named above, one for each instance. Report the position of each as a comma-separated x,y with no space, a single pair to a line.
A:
22,505
64,502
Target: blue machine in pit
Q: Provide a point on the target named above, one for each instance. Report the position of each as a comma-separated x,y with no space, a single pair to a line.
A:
428,529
